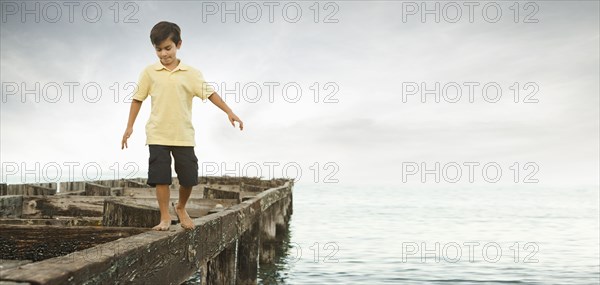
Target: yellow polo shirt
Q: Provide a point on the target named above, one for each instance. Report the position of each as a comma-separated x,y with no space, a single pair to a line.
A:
170,121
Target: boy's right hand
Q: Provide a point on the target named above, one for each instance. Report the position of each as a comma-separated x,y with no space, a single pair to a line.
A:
126,135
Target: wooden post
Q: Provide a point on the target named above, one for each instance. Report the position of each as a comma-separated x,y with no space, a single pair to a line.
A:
286,208
290,205
280,220
203,272
221,268
267,236
247,261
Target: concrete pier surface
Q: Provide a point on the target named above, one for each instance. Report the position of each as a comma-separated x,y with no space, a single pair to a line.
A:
99,232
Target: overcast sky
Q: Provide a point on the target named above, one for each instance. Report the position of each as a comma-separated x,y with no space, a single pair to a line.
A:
361,56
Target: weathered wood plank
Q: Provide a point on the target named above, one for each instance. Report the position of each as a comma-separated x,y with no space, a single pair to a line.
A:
245,187
134,183
9,263
134,192
111,183
93,189
69,186
267,198
65,193
93,206
195,207
50,206
11,206
120,213
248,212
216,193
32,189
230,180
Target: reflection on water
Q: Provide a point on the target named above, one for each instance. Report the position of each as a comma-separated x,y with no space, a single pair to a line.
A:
277,272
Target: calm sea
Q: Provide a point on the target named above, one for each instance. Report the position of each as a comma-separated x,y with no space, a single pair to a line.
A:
341,234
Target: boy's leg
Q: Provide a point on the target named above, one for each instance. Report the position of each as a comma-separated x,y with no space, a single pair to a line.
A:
163,194
184,194
186,166
159,176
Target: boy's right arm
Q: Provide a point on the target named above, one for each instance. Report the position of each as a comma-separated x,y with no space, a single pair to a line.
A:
133,112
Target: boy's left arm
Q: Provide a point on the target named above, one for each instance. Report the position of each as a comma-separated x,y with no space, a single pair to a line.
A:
216,99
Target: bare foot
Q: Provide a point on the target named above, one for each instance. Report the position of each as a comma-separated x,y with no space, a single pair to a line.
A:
184,218
163,226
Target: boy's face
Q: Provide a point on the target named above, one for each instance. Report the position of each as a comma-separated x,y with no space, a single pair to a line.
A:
167,51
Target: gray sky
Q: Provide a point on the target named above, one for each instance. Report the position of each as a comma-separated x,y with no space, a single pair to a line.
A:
367,55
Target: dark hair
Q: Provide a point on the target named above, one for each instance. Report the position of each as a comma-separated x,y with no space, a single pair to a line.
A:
165,30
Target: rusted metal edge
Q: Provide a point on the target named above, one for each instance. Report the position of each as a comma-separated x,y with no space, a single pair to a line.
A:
157,257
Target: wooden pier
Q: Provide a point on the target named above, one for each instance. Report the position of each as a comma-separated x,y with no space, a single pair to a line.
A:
99,232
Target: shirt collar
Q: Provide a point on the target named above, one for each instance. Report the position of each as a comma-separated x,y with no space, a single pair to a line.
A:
160,66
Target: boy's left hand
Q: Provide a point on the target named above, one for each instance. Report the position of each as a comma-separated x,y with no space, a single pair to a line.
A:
233,118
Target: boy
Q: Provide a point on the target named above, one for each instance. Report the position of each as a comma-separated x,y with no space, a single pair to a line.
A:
172,86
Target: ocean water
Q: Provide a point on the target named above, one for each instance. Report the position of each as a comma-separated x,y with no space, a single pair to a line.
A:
341,234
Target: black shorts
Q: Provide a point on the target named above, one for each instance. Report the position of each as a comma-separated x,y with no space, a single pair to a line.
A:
159,165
